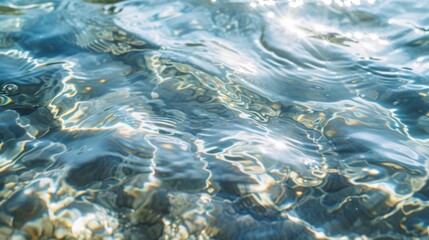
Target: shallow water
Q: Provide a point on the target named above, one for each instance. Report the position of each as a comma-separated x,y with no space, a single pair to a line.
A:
227,119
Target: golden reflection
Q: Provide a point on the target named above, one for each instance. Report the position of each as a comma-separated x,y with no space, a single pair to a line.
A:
5,100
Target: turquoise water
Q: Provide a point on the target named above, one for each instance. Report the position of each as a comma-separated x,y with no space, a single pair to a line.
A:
221,119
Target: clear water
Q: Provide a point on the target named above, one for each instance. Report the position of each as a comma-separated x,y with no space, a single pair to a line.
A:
227,119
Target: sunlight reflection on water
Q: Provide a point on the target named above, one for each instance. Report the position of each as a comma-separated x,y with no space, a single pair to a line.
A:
226,119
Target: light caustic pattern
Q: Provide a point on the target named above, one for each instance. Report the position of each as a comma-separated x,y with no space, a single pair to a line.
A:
226,119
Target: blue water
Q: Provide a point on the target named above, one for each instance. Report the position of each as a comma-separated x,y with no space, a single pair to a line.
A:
221,119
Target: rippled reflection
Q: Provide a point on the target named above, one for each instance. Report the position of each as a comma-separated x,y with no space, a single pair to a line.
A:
223,119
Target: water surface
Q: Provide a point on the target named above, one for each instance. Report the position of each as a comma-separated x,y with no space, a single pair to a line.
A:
222,119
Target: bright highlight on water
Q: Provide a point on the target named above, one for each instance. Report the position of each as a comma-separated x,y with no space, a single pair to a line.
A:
214,119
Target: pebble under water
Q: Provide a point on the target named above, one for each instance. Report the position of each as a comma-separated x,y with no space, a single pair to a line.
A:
221,119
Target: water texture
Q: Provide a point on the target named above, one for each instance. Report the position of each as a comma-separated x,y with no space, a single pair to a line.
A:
221,119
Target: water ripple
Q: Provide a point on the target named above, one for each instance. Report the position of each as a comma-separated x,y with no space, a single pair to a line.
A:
227,119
